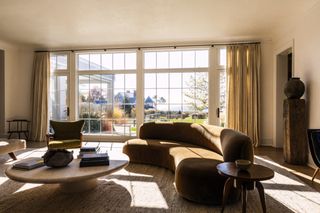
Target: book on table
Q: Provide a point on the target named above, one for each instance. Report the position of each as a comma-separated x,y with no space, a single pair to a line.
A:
96,159
29,163
95,156
102,162
88,150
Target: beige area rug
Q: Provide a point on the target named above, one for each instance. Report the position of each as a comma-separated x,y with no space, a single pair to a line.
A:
141,188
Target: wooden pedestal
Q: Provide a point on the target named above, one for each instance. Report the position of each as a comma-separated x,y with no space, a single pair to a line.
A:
295,146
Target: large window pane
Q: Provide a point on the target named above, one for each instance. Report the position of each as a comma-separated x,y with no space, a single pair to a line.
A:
150,80
162,60
175,80
106,61
119,81
223,57
95,61
58,98
118,61
83,62
130,81
162,80
188,58
131,61
175,59
202,58
62,62
150,60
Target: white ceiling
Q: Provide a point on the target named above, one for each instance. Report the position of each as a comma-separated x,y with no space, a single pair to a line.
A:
84,23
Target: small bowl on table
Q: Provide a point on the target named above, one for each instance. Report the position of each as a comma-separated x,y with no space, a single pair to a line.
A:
243,165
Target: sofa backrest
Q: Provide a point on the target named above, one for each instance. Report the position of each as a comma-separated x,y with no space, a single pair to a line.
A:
232,145
183,132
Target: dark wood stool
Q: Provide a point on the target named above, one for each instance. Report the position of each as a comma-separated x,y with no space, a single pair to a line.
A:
244,180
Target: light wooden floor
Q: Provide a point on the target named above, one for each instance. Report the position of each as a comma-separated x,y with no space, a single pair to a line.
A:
304,173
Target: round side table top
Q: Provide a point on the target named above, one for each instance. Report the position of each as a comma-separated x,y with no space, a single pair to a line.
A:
254,173
71,173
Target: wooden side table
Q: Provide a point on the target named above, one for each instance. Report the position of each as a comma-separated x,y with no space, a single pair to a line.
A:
245,180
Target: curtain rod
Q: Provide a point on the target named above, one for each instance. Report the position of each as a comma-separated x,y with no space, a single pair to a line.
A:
148,47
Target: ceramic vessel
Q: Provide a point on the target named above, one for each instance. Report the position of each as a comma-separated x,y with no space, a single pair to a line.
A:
294,88
243,164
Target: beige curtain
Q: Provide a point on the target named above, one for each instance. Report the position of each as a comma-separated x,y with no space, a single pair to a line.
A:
40,83
243,82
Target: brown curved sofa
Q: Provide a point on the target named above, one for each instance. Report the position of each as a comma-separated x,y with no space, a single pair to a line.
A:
192,152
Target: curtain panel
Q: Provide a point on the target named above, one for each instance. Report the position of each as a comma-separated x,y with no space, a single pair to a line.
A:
40,83
243,89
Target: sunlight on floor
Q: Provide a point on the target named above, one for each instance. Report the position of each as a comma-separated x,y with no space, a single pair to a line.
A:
27,186
289,190
286,168
141,191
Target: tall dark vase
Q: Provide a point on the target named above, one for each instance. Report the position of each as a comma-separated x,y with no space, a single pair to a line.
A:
294,88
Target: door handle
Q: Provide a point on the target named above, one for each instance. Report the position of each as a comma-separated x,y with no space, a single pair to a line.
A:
68,111
218,112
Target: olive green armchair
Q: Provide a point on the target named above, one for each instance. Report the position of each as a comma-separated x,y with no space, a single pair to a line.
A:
65,135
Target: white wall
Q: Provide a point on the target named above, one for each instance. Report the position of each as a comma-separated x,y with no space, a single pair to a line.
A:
266,98
18,72
306,37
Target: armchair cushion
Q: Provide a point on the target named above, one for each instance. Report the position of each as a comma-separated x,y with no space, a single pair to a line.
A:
64,144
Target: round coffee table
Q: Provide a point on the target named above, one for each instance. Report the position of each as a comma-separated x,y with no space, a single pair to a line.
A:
71,178
245,180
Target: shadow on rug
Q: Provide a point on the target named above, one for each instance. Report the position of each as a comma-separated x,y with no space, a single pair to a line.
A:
137,188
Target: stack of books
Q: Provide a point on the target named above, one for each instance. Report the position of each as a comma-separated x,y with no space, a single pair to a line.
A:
88,150
95,159
29,163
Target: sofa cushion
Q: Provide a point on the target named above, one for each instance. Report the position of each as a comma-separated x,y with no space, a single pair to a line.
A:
164,153
197,179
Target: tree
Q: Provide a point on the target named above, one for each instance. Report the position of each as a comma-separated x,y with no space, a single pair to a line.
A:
198,92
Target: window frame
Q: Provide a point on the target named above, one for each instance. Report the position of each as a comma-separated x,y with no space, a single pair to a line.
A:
73,86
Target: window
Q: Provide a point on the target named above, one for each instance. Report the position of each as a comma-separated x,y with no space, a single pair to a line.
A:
116,91
59,78
107,92
176,85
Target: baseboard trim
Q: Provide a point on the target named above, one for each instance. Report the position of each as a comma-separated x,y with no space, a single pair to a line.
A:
266,142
